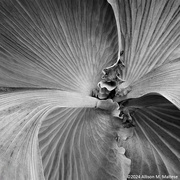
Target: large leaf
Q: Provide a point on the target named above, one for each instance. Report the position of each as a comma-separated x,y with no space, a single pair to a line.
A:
150,34
155,147
21,115
61,44
75,143
80,144
163,80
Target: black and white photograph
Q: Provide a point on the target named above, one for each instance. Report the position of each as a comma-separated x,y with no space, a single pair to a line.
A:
89,89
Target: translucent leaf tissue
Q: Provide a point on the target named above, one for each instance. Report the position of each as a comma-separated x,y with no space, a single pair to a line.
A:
89,89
